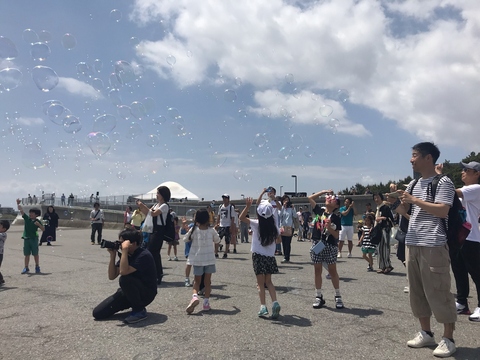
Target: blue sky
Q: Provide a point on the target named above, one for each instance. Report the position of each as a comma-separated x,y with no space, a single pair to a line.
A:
231,96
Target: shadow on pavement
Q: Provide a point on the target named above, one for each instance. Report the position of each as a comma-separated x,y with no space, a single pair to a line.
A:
290,320
361,313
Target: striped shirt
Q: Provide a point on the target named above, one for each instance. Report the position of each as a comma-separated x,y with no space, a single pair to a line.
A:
366,243
425,229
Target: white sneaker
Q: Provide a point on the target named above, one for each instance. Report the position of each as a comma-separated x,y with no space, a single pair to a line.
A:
445,348
339,255
349,255
475,316
406,289
421,340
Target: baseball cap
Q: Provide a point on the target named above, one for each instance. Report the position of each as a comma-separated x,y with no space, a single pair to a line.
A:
472,165
265,209
226,196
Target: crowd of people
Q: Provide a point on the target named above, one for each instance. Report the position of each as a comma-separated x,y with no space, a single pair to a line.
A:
415,217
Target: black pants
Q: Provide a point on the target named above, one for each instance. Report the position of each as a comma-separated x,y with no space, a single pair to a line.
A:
305,232
1,276
287,246
132,294
155,244
466,261
96,227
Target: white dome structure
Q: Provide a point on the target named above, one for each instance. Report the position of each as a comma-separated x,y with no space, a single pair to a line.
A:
177,191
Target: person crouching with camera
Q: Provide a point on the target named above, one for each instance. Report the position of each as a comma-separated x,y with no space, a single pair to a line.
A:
138,278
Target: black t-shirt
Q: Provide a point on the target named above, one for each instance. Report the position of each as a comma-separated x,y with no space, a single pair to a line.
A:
142,260
319,230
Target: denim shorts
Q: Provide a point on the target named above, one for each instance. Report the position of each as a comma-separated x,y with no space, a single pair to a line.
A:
200,270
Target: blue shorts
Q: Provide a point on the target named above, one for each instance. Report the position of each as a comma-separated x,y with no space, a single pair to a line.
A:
200,270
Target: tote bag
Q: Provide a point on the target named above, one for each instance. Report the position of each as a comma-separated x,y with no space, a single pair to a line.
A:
148,223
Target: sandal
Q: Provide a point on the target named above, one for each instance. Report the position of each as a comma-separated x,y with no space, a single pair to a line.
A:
380,271
388,270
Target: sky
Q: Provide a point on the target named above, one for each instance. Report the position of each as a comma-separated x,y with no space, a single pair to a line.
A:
231,96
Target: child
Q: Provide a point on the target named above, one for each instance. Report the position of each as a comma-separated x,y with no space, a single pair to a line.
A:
201,256
367,247
264,235
175,242
326,229
30,236
4,226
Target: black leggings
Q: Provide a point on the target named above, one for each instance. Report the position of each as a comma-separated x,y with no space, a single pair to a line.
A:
155,244
287,246
131,294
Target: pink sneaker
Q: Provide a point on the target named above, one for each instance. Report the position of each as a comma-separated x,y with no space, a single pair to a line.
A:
194,302
206,306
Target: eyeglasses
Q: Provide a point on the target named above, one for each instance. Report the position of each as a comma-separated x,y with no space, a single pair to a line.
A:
466,170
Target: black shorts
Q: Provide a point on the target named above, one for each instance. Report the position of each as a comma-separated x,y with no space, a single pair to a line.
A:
225,232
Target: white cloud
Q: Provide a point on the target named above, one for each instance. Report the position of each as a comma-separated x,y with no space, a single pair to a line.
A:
30,121
78,87
425,82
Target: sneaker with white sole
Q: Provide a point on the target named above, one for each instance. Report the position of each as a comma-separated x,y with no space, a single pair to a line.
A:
349,255
328,276
445,348
276,310
319,302
187,282
339,255
206,305
475,316
406,289
263,311
191,307
462,309
339,302
422,339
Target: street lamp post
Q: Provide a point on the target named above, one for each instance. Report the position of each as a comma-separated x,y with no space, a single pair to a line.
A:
295,176
281,188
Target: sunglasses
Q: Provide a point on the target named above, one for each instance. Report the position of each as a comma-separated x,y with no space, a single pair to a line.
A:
466,170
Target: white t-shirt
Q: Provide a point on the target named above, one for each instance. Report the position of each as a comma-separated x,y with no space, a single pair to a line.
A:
257,245
471,202
3,238
226,213
164,210
98,216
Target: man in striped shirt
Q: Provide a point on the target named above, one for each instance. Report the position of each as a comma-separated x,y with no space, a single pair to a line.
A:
427,256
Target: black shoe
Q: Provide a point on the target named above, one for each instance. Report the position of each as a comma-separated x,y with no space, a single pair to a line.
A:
216,255
39,244
224,256
48,244
234,251
319,302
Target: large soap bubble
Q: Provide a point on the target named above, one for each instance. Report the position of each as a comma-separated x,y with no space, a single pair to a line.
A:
33,156
10,78
116,15
99,143
8,50
124,72
104,123
44,77
44,36
40,51
30,36
72,124
138,110
46,105
325,110
56,113
69,41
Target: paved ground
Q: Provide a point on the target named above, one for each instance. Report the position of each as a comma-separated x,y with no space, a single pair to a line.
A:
48,316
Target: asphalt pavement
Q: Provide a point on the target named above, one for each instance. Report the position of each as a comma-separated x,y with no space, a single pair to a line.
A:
49,315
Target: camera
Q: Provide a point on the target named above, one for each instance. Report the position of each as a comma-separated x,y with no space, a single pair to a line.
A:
269,189
115,245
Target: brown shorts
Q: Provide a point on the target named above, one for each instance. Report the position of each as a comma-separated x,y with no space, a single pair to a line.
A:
428,271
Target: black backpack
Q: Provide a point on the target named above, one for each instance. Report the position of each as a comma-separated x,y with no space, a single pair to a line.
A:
457,227
169,231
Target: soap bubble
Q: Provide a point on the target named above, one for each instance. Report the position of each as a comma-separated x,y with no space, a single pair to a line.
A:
116,15
44,36
309,151
33,156
114,82
104,123
296,141
190,214
285,152
98,65
97,84
8,49
124,111
237,174
344,150
333,123
124,72
230,95
69,41
178,127
325,110
30,36
99,143
247,177
56,113
260,140
72,124
46,105
115,97
10,78
173,113
343,95
171,60
134,131
40,51
149,104
138,110
134,41
45,78
152,140
85,69
159,120
218,159
266,112
289,78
